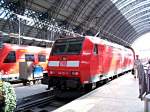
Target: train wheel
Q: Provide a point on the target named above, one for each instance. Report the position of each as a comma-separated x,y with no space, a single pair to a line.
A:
38,82
31,83
105,80
94,85
89,87
115,76
99,83
24,83
34,81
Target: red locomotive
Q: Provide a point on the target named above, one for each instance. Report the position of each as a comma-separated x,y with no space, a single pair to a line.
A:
12,54
83,61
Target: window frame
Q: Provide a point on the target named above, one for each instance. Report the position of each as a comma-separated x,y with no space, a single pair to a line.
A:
6,60
28,60
40,59
67,44
95,50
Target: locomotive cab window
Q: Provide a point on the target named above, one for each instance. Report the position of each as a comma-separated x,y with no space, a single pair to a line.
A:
41,58
74,48
11,57
67,47
95,49
29,57
59,48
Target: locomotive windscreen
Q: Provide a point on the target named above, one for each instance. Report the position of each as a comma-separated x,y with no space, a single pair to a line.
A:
67,46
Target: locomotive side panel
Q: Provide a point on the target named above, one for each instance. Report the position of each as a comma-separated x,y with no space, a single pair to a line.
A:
85,62
107,59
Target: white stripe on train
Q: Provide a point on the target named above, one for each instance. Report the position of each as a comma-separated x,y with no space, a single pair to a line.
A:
69,63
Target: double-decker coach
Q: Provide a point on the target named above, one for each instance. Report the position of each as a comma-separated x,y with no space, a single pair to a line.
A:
82,61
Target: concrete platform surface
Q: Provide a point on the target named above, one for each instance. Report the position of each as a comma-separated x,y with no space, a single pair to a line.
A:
119,95
24,91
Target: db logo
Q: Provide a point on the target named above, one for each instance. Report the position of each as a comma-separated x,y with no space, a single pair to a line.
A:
63,63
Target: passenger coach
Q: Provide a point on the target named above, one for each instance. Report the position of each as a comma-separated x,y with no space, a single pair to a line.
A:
82,61
12,55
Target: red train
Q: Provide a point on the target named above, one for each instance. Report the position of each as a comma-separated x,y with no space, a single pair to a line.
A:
81,62
12,54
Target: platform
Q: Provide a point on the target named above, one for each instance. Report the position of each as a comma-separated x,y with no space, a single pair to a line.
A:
24,91
119,95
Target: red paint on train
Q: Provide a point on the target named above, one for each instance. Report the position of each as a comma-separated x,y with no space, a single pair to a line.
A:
76,62
12,54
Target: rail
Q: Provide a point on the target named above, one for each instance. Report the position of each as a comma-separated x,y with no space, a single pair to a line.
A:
39,102
33,101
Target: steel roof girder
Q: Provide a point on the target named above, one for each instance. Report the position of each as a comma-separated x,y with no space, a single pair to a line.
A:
140,33
141,12
126,27
122,24
109,15
136,7
146,22
123,29
93,13
128,30
140,29
77,11
116,20
141,21
145,16
119,23
105,8
129,3
123,3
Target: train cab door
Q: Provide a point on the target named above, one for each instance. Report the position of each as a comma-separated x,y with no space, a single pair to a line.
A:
95,64
101,57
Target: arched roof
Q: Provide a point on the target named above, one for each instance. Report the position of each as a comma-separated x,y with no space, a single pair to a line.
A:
123,20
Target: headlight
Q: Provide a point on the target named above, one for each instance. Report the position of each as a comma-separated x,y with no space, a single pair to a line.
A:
74,73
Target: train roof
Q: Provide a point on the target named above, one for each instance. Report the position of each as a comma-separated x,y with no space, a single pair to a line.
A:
32,48
98,40
95,40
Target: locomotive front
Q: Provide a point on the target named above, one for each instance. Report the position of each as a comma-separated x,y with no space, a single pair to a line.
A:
64,63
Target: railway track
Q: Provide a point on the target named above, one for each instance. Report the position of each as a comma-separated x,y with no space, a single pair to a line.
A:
27,103
48,101
40,102
28,106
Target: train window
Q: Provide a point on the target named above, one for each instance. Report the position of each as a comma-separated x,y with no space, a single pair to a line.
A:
29,57
59,48
11,57
71,47
41,58
74,48
95,49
